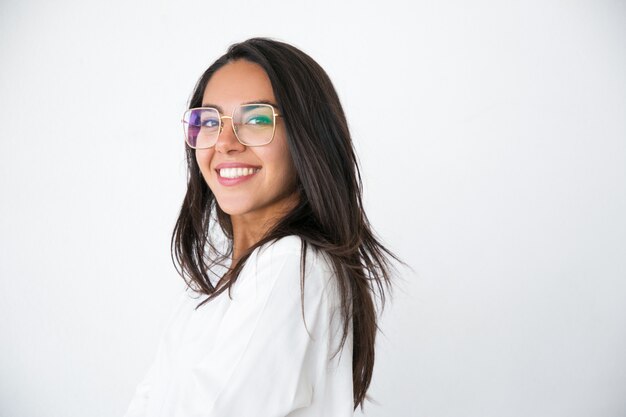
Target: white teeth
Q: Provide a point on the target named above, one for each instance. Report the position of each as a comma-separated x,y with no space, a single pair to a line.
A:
237,172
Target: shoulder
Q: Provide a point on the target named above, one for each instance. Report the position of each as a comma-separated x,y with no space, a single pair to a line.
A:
284,257
287,245
291,248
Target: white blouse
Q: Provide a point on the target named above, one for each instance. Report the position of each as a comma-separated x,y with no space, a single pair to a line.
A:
251,356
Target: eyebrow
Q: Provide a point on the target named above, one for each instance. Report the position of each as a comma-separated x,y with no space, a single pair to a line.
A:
247,102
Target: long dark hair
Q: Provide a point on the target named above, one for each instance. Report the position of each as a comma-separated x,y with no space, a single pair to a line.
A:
329,216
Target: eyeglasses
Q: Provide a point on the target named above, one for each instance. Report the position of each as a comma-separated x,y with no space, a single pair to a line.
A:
253,124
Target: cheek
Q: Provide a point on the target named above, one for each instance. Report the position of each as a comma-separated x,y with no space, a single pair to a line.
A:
284,172
288,167
203,159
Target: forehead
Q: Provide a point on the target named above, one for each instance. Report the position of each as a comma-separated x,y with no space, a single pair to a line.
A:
238,82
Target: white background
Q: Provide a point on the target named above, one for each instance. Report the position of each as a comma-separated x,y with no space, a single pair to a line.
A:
492,138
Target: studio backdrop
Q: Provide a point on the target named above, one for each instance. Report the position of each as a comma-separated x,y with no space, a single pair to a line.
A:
492,142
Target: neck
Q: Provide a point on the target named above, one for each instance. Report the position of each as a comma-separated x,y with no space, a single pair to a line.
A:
249,229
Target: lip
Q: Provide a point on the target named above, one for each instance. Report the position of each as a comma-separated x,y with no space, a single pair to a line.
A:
234,181
234,165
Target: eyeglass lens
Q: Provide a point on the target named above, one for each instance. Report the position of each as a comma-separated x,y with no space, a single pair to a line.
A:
253,124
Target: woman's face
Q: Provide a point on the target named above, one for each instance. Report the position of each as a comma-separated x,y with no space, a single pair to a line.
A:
267,187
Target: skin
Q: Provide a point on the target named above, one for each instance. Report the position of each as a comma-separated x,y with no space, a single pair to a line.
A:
257,204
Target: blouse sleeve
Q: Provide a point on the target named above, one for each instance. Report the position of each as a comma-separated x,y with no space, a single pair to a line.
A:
138,406
264,361
139,402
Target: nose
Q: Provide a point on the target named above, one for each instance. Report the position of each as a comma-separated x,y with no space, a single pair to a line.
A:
226,140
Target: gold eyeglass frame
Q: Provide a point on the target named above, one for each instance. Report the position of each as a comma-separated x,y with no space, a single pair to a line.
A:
221,126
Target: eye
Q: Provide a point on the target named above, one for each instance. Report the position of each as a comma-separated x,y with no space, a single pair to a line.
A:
210,123
259,120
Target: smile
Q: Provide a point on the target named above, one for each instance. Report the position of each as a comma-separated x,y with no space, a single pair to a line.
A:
237,172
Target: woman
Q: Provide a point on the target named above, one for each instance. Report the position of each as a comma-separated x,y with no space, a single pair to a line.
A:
271,163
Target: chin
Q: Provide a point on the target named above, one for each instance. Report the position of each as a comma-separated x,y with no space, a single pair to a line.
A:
232,209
